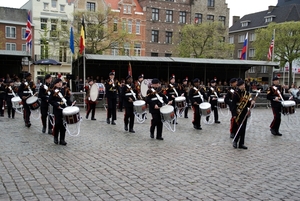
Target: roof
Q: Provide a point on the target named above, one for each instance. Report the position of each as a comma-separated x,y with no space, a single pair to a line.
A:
114,4
13,15
284,13
182,60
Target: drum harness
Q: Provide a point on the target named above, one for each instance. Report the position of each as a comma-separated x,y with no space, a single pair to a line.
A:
198,91
12,91
133,94
172,87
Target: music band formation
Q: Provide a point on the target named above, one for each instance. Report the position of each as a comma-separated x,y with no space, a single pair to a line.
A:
166,104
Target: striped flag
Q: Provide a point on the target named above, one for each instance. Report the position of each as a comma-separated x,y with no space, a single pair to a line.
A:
82,37
244,50
28,34
271,49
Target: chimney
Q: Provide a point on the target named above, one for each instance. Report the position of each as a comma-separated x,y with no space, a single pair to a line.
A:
235,19
271,8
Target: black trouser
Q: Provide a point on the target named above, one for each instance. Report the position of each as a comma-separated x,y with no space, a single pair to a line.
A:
129,117
240,137
59,128
10,109
91,106
112,108
197,116
214,107
156,122
277,118
120,106
26,112
44,115
1,105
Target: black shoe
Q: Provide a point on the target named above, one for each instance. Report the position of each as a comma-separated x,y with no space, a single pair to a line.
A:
186,117
108,121
93,119
278,134
217,122
126,127
44,130
87,116
55,140
207,118
152,135
242,147
160,138
197,127
273,131
131,131
234,144
50,131
232,135
28,125
62,142
8,116
113,123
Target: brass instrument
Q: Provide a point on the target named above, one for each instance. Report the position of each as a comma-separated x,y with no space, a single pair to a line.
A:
243,103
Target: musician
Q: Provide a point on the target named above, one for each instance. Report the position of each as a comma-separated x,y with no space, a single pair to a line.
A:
91,105
10,91
2,97
213,92
44,93
172,92
58,104
184,89
26,90
111,88
274,97
138,84
228,100
156,99
197,96
240,104
129,95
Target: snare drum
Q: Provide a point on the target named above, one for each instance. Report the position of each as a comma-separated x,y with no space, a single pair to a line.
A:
288,107
16,102
167,113
205,108
71,114
33,102
180,102
139,106
221,103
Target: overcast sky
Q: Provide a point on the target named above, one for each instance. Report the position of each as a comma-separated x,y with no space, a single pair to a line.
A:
237,7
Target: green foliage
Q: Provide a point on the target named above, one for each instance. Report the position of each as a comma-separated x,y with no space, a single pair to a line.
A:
205,40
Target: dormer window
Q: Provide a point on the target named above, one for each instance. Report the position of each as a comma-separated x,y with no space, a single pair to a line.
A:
269,18
245,23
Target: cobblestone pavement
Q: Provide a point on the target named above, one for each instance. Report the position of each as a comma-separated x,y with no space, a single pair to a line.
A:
106,163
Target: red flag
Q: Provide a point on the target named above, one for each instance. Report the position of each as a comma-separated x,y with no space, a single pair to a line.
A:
129,69
82,37
271,49
244,50
28,34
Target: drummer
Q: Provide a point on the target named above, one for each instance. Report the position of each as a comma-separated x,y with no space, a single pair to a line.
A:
154,105
172,93
58,104
2,97
10,90
213,92
25,89
91,105
185,90
129,95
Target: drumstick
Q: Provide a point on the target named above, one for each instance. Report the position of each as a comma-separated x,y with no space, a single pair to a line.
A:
73,103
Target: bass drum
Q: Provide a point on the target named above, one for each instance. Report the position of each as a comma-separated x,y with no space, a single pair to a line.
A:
145,86
94,92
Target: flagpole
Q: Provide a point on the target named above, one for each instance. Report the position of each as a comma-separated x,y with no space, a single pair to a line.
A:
247,47
273,45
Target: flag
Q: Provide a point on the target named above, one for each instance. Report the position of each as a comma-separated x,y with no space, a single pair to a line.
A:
244,50
28,34
129,69
271,49
72,40
82,37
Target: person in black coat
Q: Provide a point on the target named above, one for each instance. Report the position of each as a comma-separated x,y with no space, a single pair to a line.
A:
213,92
11,91
2,97
228,100
111,89
59,104
91,105
44,93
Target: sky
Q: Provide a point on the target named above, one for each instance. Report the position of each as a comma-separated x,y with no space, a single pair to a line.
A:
237,7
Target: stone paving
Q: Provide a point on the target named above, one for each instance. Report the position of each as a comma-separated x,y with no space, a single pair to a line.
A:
106,163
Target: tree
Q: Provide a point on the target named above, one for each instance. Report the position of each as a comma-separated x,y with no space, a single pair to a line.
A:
287,43
204,40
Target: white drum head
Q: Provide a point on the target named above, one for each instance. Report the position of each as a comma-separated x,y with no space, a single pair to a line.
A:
16,99
204,106
166,109
31,100
139,103
94,91
180,99
70,110
220,100
145,86
288,103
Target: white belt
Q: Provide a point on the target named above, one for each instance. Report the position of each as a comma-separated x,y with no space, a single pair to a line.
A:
128,94
172,93
153,99
61,103
26,92
9,94
113,90
196,96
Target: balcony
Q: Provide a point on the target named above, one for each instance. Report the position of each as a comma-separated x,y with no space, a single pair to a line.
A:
63,59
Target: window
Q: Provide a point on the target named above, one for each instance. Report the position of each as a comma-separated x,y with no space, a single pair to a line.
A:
46,6
169,15
129,26
263,69
198,18
64,25
44,49
62,8
24,47
154,54
115,50
252,37
222,19
245,24
115,24
241,38
268,19
252,70
169,37
138,27
23,33
137,49
239,54
211,3
124,24
54,4
182,17
43,23
127,49
63,52
251,52
168,55
210,18
53,31
231,39
11,46
155,12
91,6
126,9
10,32
154,37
